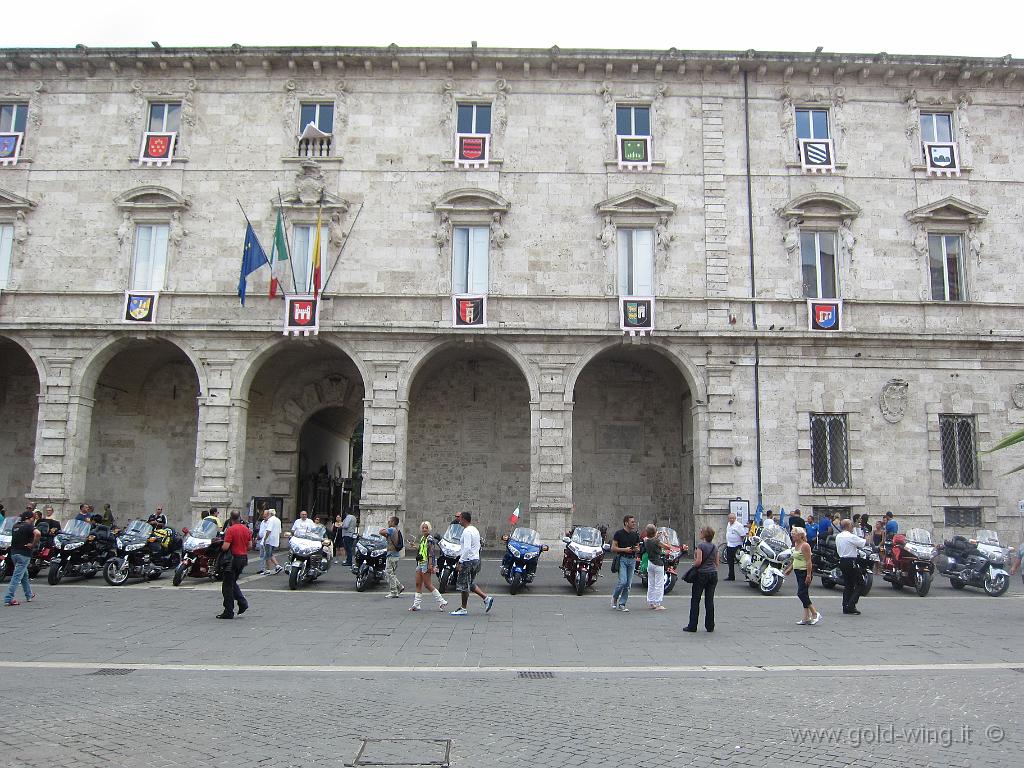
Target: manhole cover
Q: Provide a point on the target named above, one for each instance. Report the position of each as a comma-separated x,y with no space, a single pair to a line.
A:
404,752
112,671
530,675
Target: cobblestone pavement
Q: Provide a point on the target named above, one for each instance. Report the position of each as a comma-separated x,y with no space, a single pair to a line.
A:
305,677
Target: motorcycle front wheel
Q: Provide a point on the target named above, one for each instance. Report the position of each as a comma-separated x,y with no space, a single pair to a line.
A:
581,583
923,582
670,582
643,579
362,578
6,570
516,584
869,582
773,585
114,575
55,574
442,581
994,587
179,575
827,583
294,578
32,572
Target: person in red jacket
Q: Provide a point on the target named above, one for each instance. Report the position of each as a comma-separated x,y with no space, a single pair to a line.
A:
237,539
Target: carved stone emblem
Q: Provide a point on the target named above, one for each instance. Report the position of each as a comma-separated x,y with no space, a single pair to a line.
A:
1018,395
309,182
893,400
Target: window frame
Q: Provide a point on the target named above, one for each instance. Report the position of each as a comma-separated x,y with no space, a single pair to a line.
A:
816,233
958,515
306,285
317,105
961,266
621,139
163,122
6,253
830,480
17,108
956,460
470,283
133,277
932,115
626,262
485,138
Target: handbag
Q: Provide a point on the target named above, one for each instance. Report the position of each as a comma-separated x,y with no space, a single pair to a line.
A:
615,563
691,573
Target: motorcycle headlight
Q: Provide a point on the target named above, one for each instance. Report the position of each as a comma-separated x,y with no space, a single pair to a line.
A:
120,544
997,558
135,546
379,552
921,551
529,555
74,545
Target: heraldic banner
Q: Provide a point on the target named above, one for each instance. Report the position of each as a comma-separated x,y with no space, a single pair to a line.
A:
301,315
636,314
140,306
824,314
469,311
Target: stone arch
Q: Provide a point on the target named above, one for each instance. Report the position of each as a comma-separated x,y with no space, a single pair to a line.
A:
33,355
246,369
91,366
409,371
691,374
22,383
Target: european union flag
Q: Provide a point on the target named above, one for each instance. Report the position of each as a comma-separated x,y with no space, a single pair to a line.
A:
253,257
759,513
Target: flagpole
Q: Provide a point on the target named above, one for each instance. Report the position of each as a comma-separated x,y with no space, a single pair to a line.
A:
341,250
311,282
287,247
265,259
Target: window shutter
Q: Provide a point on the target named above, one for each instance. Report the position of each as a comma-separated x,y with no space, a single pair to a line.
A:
302,256
625,243
158,274
143,266
478,259
643,262
6,245
460,260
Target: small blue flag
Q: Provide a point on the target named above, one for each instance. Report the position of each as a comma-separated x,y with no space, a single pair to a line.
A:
783,517
253,257
759,513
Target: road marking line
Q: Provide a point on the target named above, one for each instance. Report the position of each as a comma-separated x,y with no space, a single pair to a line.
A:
618,670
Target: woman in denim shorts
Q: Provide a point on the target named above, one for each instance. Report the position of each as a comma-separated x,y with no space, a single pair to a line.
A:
426,564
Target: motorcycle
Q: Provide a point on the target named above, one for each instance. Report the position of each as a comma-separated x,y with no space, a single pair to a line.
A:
42,554
522,551
584,553
80,549
765,557
370,559
6,561
140,553
200,556
450,546
978,562
826,565
672,557
907,560
309,556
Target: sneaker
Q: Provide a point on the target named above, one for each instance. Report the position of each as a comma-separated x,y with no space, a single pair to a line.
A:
401,589
459,612
622,608
615,605
817,618
261,573
659,607
391,595
802,622
488,604
13,602
279,569
30,599
441,605
415,607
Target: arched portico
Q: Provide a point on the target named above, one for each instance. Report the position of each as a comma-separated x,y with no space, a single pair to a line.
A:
20,377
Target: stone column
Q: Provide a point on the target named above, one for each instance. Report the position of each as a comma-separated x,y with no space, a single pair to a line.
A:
551,458
54,432
385,428
718,456
220,444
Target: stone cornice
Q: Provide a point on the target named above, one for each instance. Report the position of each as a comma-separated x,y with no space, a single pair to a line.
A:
814,68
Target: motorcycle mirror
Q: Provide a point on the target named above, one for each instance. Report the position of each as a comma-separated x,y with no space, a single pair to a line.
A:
566,539
505,537
544,548
185,531
607,547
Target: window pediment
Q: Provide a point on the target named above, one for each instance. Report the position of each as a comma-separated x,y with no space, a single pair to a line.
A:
820,208
636,207
11,203
471,206
150,198
948,210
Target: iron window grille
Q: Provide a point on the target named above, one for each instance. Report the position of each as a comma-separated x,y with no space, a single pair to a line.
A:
959,451
830,460
962,517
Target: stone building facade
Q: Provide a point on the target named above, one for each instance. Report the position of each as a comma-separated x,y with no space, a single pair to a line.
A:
746,184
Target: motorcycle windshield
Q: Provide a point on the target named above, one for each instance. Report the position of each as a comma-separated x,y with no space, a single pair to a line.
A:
138,529
777,534
372,535
525,536
919,536
316,533
985,536
454,533
78,529
669,535
588,537
8,526
208,529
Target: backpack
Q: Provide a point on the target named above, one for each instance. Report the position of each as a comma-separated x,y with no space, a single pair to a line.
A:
400,545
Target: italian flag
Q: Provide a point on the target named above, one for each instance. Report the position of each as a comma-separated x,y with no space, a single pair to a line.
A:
514,517
278,262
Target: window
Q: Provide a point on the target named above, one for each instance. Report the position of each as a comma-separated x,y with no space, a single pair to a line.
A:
474,118
13,117
320,115
469,259
936,126
818,264
962,517
636,262
165,117
6,246
830,467
150,266
633,136
959,454
303,240
938,143
813,143
946,267
812,124
473,135
316,126
821,512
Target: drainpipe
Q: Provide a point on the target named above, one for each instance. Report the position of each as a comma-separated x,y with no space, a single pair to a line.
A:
753,286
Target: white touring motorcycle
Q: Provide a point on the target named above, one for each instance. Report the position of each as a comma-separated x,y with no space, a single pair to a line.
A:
309,556
765,557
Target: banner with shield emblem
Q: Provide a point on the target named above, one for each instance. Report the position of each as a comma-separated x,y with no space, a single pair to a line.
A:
10,147
157,148
140,306
636,314
301,315
469,311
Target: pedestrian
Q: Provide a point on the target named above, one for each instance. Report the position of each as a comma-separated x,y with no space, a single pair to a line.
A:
891,526
811,529
161,518
735,532
24,538
108,516
273,540
625,546
53,523
878,534
705,579
802,565
234,551
847,544
302,525
348,536
396,544
655,547
469,566
796,521
426,564
336,537
83,513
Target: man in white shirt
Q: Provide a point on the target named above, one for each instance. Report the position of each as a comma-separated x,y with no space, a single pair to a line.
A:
735,532
469,566
303,526
272,539
847,544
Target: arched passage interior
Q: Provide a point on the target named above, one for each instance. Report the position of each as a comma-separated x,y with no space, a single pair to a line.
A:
142,439
304,429
19,407
633,442
468,439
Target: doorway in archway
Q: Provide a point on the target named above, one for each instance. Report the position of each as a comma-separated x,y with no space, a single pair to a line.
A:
19,406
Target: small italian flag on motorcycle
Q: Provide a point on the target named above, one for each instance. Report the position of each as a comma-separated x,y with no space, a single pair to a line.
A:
514,517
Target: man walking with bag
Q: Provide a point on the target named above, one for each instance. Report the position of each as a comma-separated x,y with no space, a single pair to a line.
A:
24,538
396,545
625,545
234,551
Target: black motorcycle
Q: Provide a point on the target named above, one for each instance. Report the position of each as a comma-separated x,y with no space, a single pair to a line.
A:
371,559
449,549
826,564
309,556
978,562
6,561
80,549
142,553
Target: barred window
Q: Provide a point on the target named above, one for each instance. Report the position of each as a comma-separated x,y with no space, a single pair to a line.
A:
830,466
963,517
821,512
959,451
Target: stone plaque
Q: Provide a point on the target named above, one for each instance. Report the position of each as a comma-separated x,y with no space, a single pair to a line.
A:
477,432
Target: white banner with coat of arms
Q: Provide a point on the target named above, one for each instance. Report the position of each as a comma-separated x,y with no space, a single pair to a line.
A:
140,306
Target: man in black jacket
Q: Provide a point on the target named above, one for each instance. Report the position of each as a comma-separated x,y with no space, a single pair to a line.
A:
24,538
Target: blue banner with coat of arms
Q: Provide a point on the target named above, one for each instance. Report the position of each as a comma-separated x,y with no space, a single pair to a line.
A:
140,306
